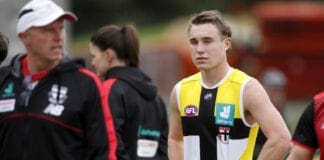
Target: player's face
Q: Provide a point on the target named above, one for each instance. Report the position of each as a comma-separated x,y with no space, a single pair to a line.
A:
208,47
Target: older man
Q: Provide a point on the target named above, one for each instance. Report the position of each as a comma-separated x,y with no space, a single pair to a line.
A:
50,107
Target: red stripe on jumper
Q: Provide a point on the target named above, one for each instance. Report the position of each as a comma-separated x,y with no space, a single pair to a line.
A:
56,121
110,128
42,116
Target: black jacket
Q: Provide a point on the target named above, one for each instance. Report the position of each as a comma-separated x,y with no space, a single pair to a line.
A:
60,119
139,113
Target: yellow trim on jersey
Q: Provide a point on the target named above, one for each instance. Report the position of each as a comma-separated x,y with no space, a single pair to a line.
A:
191,86
248,152
230,90
231,94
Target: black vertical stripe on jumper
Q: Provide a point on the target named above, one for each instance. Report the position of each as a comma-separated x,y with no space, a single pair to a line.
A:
203,125
206,114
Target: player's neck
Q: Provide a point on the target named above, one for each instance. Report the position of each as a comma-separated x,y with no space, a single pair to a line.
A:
213,76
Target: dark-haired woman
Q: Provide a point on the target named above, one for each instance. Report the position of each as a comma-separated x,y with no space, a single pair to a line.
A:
139,113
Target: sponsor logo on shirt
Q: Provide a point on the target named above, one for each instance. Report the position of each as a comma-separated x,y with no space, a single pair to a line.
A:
191,111
225,114
148,132
147,148
56,97
7,105
208,96
8,91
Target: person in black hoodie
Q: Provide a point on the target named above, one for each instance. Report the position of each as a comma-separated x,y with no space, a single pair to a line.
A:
51,107
139,113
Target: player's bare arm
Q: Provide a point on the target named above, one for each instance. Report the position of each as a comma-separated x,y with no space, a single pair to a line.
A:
175,139
259,109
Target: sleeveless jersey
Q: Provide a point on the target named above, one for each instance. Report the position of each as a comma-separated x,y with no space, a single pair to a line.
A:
212,119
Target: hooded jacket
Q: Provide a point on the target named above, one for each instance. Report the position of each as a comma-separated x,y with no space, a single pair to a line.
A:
61,118
139,114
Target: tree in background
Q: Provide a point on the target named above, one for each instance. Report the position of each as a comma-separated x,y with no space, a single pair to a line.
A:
141,12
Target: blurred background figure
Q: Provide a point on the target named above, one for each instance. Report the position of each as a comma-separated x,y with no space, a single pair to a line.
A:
3,47
274,82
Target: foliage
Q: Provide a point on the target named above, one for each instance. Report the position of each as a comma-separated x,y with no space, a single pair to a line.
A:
94,14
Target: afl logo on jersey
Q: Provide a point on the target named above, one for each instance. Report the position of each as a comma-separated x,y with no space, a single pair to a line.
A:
191,111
